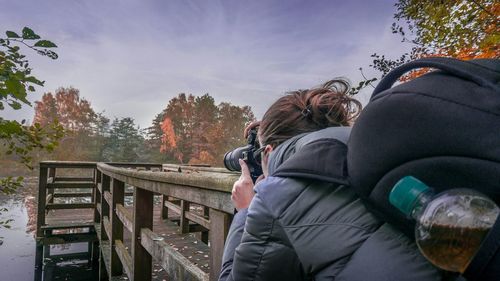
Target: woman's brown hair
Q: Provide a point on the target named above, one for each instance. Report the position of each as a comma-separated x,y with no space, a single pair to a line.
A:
309,110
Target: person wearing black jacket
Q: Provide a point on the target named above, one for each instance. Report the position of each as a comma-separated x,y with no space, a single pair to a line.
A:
302,221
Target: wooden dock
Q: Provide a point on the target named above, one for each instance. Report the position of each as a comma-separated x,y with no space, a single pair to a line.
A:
163,233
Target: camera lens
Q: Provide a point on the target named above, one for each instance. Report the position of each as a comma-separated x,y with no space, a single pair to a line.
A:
231,158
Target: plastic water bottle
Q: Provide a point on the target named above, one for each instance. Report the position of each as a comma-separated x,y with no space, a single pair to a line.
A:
450,225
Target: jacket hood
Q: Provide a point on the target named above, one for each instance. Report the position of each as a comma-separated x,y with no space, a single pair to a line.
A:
320,155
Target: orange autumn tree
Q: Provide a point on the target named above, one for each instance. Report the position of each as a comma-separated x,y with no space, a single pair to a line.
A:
72,112
168,139
452,28
194,130
76,116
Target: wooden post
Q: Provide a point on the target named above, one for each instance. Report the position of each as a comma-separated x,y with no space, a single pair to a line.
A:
39,257
38,268
96,199
103,274
219,227
95,255
46,248
117,197
184,223
204,234
105,186
97,196
105,182
52,174
94,192
143,218
42,196
164,209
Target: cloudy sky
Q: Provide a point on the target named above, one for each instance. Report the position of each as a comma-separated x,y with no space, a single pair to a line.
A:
129,58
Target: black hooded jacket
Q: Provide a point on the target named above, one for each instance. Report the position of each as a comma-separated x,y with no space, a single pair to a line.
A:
305,223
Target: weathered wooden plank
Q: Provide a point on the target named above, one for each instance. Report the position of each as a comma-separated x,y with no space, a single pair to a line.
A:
219,227
172,206
56,206
107,197
124,257
49,198
71,179
71,256
71,184
72,194
135,165
64,238
97,227
205,180
42,196
99,187
105,186
107,226
198,219
196,169
104,271
177,266
143,218
68,216
67,225
125,216
68,164
98,208
117,197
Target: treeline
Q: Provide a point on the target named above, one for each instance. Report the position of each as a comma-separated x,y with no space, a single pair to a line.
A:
190,130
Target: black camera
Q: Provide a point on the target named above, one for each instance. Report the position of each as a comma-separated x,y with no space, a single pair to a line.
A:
250,153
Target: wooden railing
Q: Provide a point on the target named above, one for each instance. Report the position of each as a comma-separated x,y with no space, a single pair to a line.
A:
199,195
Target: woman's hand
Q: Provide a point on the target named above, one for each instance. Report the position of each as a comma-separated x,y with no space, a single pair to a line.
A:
249,127
243,193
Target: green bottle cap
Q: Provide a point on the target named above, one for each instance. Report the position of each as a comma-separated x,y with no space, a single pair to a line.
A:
405,193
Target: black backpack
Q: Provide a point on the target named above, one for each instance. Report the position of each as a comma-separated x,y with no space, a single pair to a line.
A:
443,128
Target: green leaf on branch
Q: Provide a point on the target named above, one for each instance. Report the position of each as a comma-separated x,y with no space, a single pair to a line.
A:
28,33
12,34
45,44
33,80
16,82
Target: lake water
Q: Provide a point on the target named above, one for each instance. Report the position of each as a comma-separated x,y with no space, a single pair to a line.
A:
17,251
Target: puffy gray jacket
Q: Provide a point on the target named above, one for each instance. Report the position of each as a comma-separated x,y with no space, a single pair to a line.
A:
305,223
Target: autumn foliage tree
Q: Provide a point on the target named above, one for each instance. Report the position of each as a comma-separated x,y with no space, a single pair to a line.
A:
453,28
168,142
76,116
197,131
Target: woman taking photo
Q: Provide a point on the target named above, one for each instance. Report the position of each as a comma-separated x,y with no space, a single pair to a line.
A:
301,221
